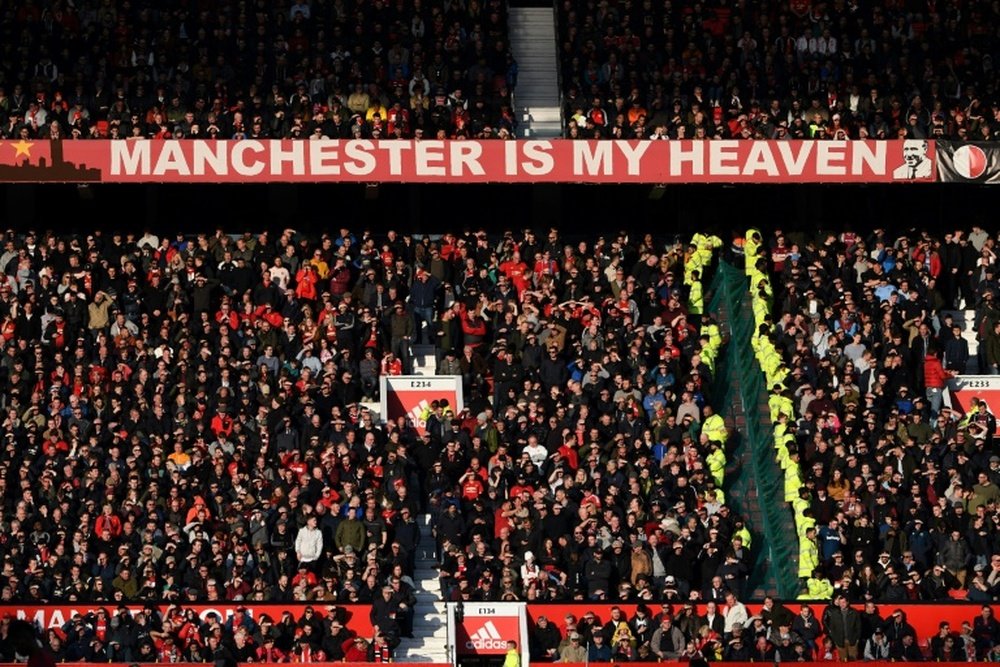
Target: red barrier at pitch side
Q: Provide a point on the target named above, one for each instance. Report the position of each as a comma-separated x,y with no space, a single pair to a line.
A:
923,617
356,617
737,664
242,664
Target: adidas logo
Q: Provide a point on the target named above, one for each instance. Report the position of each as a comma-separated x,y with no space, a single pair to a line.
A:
487,637
416,415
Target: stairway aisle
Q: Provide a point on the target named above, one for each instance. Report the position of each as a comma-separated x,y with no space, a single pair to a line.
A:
754,480
536,96
430,625
746,467
424,359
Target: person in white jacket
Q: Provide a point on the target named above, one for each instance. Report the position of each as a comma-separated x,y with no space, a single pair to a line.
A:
736,612
309,542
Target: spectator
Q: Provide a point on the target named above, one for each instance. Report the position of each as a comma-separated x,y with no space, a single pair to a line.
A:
222,430
877,648
842,624
598,650
545,640
906,650
736,614
572,649
667,642
309,542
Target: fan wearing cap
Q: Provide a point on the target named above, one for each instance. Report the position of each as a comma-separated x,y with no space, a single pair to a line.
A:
667,642
530,571
572,649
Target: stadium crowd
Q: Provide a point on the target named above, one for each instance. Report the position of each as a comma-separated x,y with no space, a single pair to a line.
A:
293,69
829,70
384,69
894,485
774,634
185,420
173,634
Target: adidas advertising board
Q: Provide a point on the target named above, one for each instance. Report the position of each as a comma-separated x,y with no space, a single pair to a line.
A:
412,396
484,628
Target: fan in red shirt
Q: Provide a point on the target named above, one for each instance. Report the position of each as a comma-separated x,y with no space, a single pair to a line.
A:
269,653
516,271
222,423
472,486
520,487
355,650
108,521
267,312
590,498
227,316
546,263
501,518
391,364
473,327
568,454
167,650
54,445
306,281
304,575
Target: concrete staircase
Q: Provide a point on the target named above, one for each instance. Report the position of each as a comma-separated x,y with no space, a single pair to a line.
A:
430,623
747,414
424,360
533,42
741,489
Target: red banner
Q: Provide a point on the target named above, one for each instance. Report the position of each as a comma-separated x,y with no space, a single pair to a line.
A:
432,161
432,664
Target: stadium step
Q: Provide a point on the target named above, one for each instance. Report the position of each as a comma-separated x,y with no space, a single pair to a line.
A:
430,622
740,410
532,32
542,130
540,114
424,358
